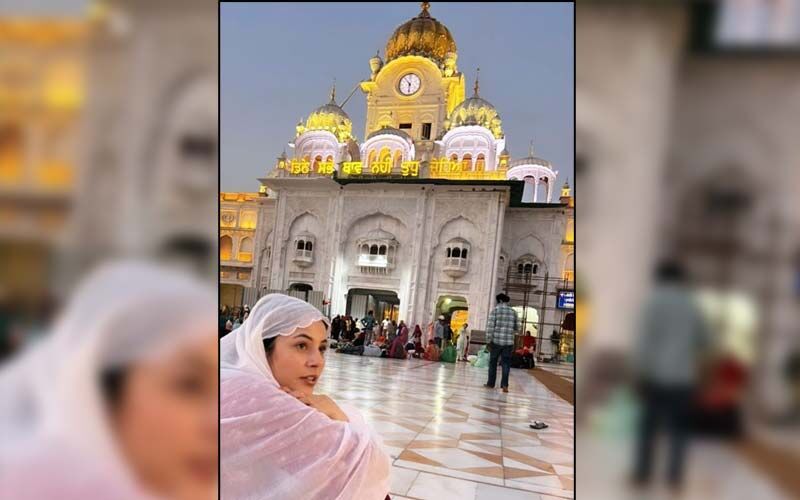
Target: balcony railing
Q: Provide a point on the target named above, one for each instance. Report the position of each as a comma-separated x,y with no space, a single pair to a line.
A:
456,262
303,258
373,261
455,266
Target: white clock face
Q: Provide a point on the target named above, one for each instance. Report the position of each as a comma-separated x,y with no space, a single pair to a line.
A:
409,84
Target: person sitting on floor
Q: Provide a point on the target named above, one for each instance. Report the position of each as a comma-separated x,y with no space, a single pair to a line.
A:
398,347
433,352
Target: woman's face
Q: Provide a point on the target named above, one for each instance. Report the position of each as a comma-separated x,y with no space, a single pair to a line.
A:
166,421
297,360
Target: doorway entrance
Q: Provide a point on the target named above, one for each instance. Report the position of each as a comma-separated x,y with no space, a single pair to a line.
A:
231,295
300,290
455,310
383,303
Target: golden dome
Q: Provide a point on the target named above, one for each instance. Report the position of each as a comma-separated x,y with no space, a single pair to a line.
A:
329,117
421,36
476,111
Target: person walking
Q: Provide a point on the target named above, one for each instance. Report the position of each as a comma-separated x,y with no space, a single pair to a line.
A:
500,328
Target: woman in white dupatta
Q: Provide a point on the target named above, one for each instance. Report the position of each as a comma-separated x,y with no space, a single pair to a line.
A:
278,439
119,401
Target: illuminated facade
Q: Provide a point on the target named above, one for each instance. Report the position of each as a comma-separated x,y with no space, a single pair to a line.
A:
426,215
238,250
41,105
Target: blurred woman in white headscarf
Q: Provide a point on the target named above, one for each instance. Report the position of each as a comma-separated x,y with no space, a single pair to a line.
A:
119,401
280,440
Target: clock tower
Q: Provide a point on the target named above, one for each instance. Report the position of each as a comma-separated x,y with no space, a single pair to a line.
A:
418,85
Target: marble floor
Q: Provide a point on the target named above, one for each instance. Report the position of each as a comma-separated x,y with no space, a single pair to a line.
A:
449,437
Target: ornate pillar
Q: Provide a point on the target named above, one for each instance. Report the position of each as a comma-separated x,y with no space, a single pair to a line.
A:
536,189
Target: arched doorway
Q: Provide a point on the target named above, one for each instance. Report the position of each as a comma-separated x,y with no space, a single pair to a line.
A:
383,303
455,309
300,290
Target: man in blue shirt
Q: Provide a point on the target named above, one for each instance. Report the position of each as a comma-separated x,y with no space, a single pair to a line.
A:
503,323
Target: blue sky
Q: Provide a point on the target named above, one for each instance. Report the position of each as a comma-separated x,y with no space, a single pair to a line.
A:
278,61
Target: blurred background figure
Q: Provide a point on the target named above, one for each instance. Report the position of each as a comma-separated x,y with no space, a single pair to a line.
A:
118,401
108,143
108,149
686,123
672,340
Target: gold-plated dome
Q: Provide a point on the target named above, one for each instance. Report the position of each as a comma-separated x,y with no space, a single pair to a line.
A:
476,111
421,36
329,117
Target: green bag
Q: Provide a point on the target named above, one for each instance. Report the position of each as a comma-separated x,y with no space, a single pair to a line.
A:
449,354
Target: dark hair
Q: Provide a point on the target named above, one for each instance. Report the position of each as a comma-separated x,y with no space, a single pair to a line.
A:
501,297
369,312
111,385
269,345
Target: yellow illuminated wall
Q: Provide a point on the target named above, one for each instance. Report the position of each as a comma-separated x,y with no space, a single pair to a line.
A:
570,236
225,248
247,219
42,92
437,96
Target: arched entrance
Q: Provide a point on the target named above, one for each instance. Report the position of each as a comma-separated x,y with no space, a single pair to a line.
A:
300,290
383,303
455,309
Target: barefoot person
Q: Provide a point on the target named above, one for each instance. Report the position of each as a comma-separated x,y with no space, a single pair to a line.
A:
278,438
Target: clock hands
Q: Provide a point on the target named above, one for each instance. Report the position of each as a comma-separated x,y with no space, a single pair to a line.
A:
408,85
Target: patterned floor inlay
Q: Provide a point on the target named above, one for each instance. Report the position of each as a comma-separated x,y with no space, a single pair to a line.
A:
450,437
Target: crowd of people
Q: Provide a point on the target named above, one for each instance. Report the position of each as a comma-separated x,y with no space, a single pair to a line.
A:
391,339
386,338
232,318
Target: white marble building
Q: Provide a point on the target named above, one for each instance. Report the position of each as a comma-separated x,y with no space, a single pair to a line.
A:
427,215
148,179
